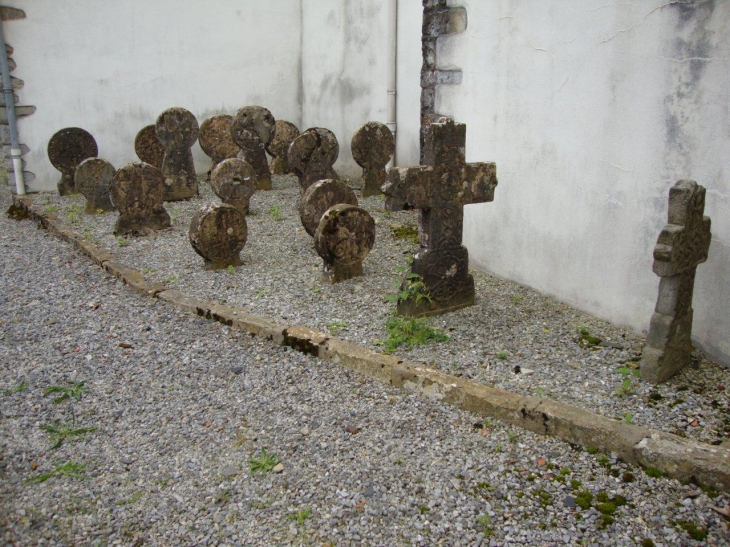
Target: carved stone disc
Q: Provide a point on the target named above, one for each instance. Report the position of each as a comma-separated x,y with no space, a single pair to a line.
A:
373,145
215,138
278,148
234,181
321,196
253,128
312,155
137,191
148,148
177,130
218,233
343,239
66,149
93,180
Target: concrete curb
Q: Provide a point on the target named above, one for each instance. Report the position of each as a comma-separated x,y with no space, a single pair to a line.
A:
676,457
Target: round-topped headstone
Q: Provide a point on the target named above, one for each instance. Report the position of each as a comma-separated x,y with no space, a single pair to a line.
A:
137,191
372,147
218,233
321,196
253,129
312,154
278,148
93,180
66,149
148,148
234,181
215,139
177,130
343,239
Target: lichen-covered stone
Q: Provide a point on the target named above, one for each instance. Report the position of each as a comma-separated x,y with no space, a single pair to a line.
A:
218,233
343,239
234,181
215,139
66,150
440,190
177,131
278,148
372,147
321,196
137,191
253,129
93,181
148,148
312,155
682,245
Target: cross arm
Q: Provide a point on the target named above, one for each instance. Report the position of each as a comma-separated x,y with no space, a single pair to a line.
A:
479,182
408,188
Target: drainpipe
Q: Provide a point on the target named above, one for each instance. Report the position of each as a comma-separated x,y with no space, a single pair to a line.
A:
15,152
392,70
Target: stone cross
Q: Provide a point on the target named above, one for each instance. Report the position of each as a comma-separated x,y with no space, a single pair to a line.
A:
148,148
286,132
93,180
234,181
218,233
682,245
177,130
66,150
440,190
253,129
215,139
321,196
372,147
344,237
312,155
137,191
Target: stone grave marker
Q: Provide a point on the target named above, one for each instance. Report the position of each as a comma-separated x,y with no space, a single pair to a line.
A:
343,239
234,181
372,147
148,148
218,233
137,191
93,181
278,148
682,245
253,129
215,139
177,131
312,155
321,196
440,190
66,150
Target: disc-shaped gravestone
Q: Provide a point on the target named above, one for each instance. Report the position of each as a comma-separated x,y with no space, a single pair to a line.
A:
372,147
137,191
234,181
93,180
286,132
343,239
215,139
148,148
312,155
66,149
218,233
253,129
321,196
177,130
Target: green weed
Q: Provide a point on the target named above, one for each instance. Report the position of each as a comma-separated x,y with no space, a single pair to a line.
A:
122,241
409,233
625,371
264,463
410,332
230,269
626,388
59,432
130,500
336,326
502,355
485,521
68,469
695,532
75,390
22,386
275,213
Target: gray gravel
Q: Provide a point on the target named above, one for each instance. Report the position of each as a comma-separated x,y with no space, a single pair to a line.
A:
181,405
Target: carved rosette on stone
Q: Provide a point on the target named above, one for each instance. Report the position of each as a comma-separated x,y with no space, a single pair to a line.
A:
215,139
682,245
253,129
93,181
218,233
137,191
312,155
278,148
321,196
234,181
343,239
372,147
148,148
177,131
440,190
66,150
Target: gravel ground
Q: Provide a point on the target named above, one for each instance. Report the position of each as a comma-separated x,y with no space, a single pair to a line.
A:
510,328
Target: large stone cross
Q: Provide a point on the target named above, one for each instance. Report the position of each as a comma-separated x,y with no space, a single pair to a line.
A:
440,189
682,245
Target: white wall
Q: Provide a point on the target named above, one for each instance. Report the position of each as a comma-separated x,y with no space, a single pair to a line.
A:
592,110
113,67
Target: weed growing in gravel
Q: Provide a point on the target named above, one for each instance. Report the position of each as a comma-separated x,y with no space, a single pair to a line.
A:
626,388
540,392
502,355
68,469
130,500
409,332
22,386
261,292
300,516
485,521
59,432
587,340
695,532
654,472
75,390
409,233
74,213
275,213
336,326
629,418
512,435
174,214
516,299
171,279
51,209
230,269
223,497
122,241
148,270
412,287
626,370
264,463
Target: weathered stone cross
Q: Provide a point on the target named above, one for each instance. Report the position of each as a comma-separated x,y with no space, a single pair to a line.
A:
440,189
681,246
